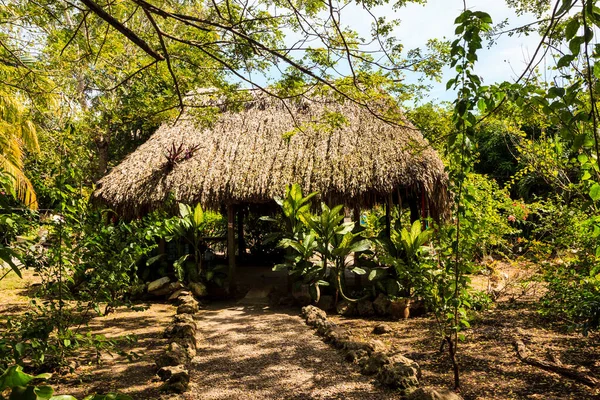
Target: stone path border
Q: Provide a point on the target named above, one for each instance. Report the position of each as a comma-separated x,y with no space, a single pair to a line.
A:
173,364
390,369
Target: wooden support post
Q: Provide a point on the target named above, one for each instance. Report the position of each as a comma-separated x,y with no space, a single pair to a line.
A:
240,233
231,246
388,216
357,278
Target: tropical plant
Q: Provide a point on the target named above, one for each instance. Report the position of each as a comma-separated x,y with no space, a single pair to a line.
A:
17,135
190,226
319,244
402,254
335,243
21,387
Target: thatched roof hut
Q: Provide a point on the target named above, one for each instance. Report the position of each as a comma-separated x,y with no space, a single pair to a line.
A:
254,149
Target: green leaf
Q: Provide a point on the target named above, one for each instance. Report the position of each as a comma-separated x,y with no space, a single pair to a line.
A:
359,271
575,44
597,70
595,192
572,28
63,397
198,215
564,61
154,259
556,92
184,210
43,392
14,376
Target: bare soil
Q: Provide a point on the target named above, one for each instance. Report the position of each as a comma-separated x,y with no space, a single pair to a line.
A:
110,372
253,352
489,365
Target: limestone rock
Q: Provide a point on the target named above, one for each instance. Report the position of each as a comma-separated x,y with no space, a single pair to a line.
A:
337,337
381,329
433,394
188,308
400,373
176,378
198,289
158,284
313,314
376,345
183,318
324,326
381,304
365,308
175,355
374,363
173,297
181,329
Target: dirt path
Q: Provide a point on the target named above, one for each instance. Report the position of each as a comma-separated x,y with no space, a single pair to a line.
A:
252,352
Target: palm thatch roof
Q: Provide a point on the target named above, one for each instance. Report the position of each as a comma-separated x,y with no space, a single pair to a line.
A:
255,148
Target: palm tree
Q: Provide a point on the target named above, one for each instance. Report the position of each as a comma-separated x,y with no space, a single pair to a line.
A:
17,135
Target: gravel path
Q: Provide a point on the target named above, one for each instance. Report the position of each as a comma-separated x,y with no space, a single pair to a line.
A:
252,352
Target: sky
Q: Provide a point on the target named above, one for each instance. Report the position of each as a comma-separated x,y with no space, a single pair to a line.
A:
503,62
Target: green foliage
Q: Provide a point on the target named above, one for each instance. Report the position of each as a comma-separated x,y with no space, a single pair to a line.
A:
192,225
574,294
21,387
497,218
402,254
319,244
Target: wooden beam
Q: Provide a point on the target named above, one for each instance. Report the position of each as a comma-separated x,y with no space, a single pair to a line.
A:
231,246
356,217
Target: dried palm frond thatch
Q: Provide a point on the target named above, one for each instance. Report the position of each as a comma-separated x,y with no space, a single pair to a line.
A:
253,151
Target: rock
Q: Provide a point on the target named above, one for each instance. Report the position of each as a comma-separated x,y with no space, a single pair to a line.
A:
337,337
313,314
183,318
185,298
374,363
381,329
346,309
198,289
376,346
381,304
181,329
356,355
352,345
433,394
326,303
399,309
176,294
175,355
365,308
158,284
188,343
188,308
176,378
324,326
400,373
